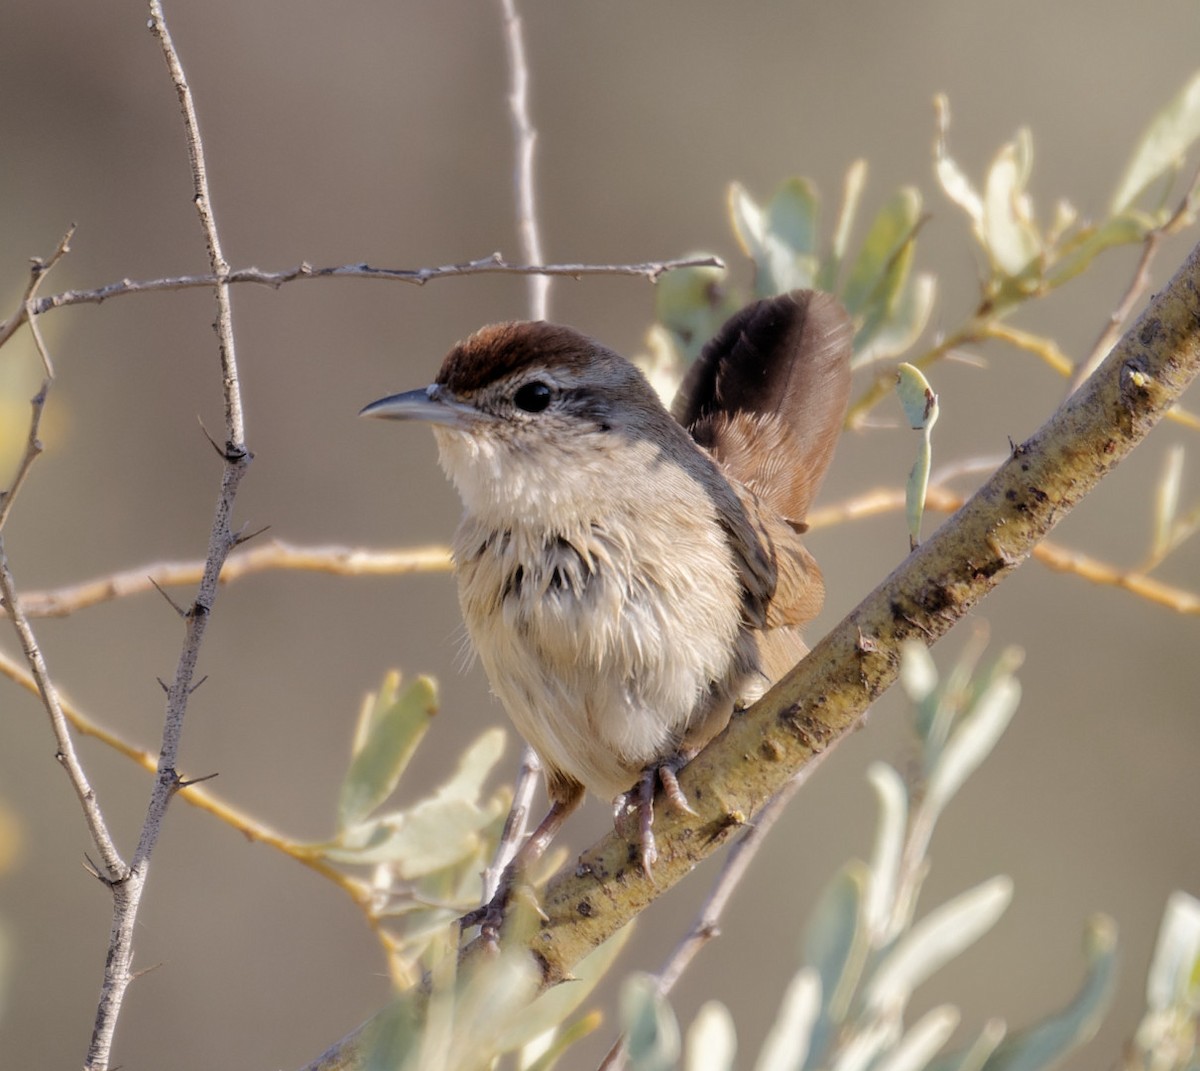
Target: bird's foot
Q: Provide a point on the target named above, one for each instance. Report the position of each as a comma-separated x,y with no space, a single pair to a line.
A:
639,802
489,917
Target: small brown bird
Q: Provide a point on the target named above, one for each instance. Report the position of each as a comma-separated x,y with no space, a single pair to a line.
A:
630,576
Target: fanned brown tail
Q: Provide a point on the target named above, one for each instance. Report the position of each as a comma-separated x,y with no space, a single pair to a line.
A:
768,395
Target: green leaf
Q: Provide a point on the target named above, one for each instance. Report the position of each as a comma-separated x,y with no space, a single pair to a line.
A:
972,740
435,833
889,847
792,228
1049,1041
937,938
1078,254
920,406
651,1031
852,188
891,231
1162,146
835,943
788,1044
552,1007
388,736
1010,235
563,1039
692,304
711,1039
1174,977
918,1046
954,182
976,1055
1166,502
896,329
780,239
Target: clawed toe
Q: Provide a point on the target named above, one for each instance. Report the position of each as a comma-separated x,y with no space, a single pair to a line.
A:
639,802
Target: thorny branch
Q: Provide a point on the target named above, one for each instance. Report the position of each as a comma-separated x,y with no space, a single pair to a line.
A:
127,895
113,868
490,265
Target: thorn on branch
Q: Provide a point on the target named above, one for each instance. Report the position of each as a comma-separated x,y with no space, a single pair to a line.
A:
193,689
212,442
187,782
239,538
170,602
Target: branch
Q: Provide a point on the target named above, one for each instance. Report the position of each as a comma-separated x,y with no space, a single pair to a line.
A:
276,554
127,895
1139,284
824,697
526,138
492,265
114,869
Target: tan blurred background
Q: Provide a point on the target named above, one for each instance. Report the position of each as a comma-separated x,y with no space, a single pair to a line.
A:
379,132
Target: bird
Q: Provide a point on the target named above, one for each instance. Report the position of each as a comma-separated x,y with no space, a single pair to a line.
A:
630,576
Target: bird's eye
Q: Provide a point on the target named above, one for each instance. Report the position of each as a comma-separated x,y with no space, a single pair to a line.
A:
532,397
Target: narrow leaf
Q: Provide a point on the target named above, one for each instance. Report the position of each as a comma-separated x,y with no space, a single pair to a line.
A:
388,746
852,188
651,1030
1173,977
1162,146
1166,502
1049,1041
890,231
889,846
552,1007
787,1046
711,1039
937,938
920,406
972,740
1011,238
954,182
835,936
914,1051
897,331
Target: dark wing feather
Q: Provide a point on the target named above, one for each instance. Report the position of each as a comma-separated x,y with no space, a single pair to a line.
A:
768,395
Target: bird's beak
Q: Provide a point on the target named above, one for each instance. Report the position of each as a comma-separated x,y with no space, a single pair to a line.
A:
431,404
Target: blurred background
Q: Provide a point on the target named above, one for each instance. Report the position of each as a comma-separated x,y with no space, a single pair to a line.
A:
379,132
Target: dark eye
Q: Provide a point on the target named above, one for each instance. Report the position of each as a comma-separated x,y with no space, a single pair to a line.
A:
532,397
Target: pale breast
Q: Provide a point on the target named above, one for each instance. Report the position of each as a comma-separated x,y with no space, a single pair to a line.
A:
603,655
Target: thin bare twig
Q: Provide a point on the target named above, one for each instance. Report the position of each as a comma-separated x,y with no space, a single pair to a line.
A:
276,554
1138,285
490,265
525,136
516,823
707,923
114,869
38,270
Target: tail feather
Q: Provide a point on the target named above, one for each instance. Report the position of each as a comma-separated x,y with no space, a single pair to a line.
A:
768,395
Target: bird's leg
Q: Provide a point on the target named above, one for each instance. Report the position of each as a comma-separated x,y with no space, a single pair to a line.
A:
489,916
639,801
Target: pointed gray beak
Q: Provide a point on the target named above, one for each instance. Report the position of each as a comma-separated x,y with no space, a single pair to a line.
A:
430,404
